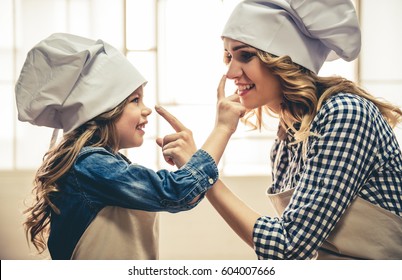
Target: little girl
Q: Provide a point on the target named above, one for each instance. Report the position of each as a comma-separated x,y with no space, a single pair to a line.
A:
91,202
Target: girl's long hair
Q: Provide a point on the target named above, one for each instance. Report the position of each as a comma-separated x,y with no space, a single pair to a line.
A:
303,95
98,132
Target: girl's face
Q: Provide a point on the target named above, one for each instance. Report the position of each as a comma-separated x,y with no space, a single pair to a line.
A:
256,85
130,126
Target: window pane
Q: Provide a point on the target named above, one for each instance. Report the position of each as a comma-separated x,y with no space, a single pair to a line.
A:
6,24
140,24
7,128
6,43
7,65
107,21
32,143
339,67
37,20
381,55
79,15
200,119
100,19
144,62
191,51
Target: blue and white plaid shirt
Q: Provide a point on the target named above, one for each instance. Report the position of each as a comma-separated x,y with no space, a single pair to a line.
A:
356,154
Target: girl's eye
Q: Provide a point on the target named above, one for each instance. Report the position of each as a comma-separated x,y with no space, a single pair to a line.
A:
136,100
246,56
227,57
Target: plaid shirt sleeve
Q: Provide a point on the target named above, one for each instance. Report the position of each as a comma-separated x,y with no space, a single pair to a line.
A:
337,163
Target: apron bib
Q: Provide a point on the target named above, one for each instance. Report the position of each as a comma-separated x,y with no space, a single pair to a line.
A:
120,233
365,231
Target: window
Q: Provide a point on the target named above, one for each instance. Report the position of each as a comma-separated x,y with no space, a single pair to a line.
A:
23,24
174,43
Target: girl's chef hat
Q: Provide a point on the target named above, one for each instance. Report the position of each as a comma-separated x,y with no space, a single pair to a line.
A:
67,80
305,30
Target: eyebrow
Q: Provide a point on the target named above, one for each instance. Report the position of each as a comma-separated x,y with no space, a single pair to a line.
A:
240,47
135,93
236,48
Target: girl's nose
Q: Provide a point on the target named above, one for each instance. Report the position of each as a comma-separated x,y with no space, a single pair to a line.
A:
234,71
146,111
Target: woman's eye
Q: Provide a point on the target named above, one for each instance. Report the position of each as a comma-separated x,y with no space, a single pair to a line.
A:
227,57
246,56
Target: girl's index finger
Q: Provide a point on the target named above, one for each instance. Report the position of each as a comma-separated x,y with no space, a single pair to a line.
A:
221,88
172,120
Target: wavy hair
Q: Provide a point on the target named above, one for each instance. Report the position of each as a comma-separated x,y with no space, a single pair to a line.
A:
304,92
98,132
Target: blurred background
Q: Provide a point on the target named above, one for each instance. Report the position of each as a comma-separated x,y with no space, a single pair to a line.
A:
176,44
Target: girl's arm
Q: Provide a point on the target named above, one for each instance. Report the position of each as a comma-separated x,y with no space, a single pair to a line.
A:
238,215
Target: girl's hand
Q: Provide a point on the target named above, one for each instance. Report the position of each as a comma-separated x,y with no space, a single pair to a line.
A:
177,148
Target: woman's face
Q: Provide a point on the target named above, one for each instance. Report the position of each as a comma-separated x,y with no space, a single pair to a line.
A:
256,85
130,126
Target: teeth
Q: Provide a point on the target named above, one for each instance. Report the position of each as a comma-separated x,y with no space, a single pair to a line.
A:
245,87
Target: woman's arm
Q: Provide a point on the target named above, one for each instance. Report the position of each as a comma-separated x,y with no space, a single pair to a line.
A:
178,148
238,215
229,111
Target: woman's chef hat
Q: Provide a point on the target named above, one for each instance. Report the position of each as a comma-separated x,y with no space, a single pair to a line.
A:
306,30
67,80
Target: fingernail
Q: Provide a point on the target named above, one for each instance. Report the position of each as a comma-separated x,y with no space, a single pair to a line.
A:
158,107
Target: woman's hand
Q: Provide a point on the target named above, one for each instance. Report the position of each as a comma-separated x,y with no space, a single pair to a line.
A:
177,148
229,109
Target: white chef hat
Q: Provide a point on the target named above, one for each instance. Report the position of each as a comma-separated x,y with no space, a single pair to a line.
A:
67,80
305,30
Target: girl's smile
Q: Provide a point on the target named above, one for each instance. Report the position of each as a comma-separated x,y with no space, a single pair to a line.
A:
131,124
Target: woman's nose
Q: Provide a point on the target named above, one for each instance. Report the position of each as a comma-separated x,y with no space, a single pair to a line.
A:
234,71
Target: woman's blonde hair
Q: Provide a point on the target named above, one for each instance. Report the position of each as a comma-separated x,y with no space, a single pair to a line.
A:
98,132
303,95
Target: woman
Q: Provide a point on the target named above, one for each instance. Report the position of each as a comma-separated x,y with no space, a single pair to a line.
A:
336,164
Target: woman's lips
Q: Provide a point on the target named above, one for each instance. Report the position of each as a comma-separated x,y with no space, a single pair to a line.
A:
244,89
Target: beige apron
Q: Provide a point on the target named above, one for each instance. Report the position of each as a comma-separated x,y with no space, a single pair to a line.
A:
365,231
120,233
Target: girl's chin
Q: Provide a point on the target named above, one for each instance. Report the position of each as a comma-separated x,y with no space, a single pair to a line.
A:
136,144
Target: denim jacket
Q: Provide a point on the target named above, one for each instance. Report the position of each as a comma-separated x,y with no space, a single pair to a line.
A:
100,178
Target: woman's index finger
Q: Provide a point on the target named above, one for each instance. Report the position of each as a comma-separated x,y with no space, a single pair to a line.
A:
221,88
